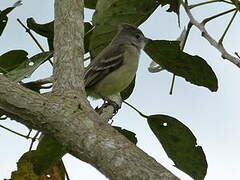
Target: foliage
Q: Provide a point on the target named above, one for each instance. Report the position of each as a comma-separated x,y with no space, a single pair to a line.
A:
193,68
179,144
177,140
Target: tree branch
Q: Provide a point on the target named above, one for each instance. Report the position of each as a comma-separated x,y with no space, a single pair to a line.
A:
81,131
72,121
68,48
209,38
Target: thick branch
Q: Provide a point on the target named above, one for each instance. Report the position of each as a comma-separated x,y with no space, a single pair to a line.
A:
209,38
81,131
72,121
68,47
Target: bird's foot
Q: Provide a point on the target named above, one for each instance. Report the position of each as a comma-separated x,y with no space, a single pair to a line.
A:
108,102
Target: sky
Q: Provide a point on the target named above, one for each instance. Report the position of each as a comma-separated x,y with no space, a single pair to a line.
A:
212,117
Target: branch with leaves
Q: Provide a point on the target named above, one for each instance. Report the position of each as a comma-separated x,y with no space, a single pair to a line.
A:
64,115
201,26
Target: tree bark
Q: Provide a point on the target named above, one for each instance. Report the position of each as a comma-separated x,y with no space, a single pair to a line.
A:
67,115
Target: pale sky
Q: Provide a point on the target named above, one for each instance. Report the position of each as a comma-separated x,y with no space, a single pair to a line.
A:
212,117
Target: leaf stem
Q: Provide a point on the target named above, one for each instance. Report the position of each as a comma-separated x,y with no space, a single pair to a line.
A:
207,2
227,28
17,133
217,15
172,84
34,39
30,130
181,48
141,114
33,140
87,58
90,30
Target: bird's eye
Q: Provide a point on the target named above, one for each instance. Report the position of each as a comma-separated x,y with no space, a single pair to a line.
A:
137,36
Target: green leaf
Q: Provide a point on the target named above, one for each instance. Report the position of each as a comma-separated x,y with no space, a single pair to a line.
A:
109,14
126,93
26,68
3,16
49,152
91,4
3,22
87,34
193,68
25,169
174,5
47,30
128,134
180,145
33,86
12,59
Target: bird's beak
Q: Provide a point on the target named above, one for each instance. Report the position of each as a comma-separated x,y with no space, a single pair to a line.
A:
147,40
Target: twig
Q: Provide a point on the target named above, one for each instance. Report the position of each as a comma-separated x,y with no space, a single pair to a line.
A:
90,30
17,133
172,84
182,45
30,130
141,114
34,39
218,15
33,140
207,2
228,26
29,32
209,38
87,58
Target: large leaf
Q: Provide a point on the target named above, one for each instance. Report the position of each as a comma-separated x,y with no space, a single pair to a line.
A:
12,59
91,4
193,68
49,152
33,86
4,13
109,14
3,22
25,170
28,67
180,145
47,30
87,34
126,93
128,134
174,5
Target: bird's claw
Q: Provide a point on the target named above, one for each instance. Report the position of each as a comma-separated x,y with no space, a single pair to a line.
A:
108,102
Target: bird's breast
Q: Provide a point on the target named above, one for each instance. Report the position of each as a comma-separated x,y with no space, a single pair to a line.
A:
120,78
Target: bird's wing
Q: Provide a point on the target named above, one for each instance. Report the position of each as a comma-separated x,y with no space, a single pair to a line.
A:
109,60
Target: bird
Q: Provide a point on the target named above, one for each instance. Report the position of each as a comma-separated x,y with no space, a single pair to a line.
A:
115,67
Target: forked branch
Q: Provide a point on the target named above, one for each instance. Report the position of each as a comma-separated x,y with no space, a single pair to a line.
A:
218,45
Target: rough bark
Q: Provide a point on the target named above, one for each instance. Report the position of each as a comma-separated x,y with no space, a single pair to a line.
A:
68,48
81,131
67,115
